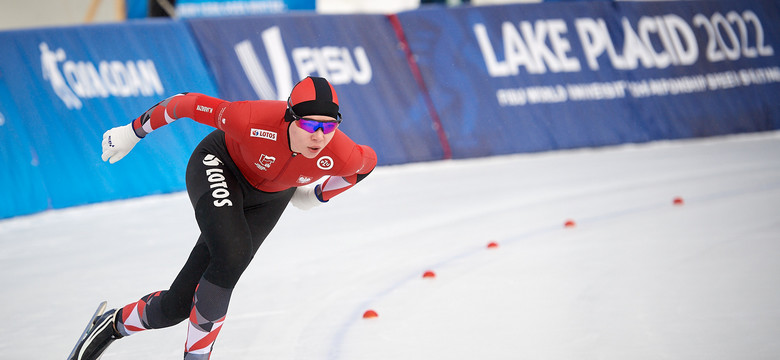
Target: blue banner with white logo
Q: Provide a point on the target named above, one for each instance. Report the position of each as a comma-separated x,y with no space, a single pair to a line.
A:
213,8
61,88
382,105
534,77
422,85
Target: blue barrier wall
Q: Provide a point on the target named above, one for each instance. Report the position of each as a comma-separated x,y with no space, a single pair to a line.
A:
61,88
262,58
535,77
502,79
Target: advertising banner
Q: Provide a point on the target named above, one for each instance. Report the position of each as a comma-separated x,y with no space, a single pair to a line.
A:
212,8
423,85
61,88
536,77
382,105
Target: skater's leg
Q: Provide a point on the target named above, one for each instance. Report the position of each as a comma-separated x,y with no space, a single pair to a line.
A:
209,308
232,242
233,224
168,307
227,239
226,234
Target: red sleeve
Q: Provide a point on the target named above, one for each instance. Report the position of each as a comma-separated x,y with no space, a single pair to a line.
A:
201,108
334,185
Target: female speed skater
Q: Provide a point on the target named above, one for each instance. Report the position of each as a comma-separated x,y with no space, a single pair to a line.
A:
240,179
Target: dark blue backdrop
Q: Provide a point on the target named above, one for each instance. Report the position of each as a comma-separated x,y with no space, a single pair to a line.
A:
502,79
455,66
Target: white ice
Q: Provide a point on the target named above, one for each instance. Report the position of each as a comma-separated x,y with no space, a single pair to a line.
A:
636,278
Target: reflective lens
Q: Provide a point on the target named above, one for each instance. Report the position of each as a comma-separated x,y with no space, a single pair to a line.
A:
313,125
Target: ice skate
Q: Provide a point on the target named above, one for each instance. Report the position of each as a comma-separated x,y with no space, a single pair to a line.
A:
99,337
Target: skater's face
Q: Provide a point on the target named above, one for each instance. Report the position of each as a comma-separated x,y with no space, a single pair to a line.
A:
310,144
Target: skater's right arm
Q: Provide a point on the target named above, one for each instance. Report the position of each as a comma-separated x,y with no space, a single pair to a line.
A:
204,109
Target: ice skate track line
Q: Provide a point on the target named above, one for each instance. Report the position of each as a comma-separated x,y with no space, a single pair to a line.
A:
356,315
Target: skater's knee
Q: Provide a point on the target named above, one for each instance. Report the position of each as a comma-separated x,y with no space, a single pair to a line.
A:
175,308
167,309
225,270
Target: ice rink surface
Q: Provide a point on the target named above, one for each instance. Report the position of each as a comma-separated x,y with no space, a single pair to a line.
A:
637,277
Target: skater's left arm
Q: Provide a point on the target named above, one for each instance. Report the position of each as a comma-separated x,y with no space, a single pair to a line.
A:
363,159
335,185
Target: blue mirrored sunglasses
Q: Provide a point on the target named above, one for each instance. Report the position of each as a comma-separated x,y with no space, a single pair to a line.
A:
313,125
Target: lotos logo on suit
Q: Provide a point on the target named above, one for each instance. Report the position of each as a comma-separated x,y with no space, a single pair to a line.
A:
263,134
211,160
216,177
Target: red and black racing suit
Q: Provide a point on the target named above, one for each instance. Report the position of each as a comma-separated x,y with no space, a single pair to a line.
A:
239,180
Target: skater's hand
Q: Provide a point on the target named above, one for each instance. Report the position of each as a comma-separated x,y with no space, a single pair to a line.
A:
117,142
305,197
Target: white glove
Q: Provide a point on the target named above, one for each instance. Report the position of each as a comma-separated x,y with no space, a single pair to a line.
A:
117,142
305,197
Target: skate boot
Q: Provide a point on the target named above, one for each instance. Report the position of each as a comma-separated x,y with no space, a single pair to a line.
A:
102,334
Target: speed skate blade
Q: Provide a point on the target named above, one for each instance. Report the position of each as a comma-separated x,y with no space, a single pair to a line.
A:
99,311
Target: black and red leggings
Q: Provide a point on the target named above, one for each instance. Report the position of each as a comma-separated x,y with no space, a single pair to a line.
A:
234,219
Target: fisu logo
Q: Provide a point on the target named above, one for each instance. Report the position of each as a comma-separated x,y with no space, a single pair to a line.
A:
338,64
